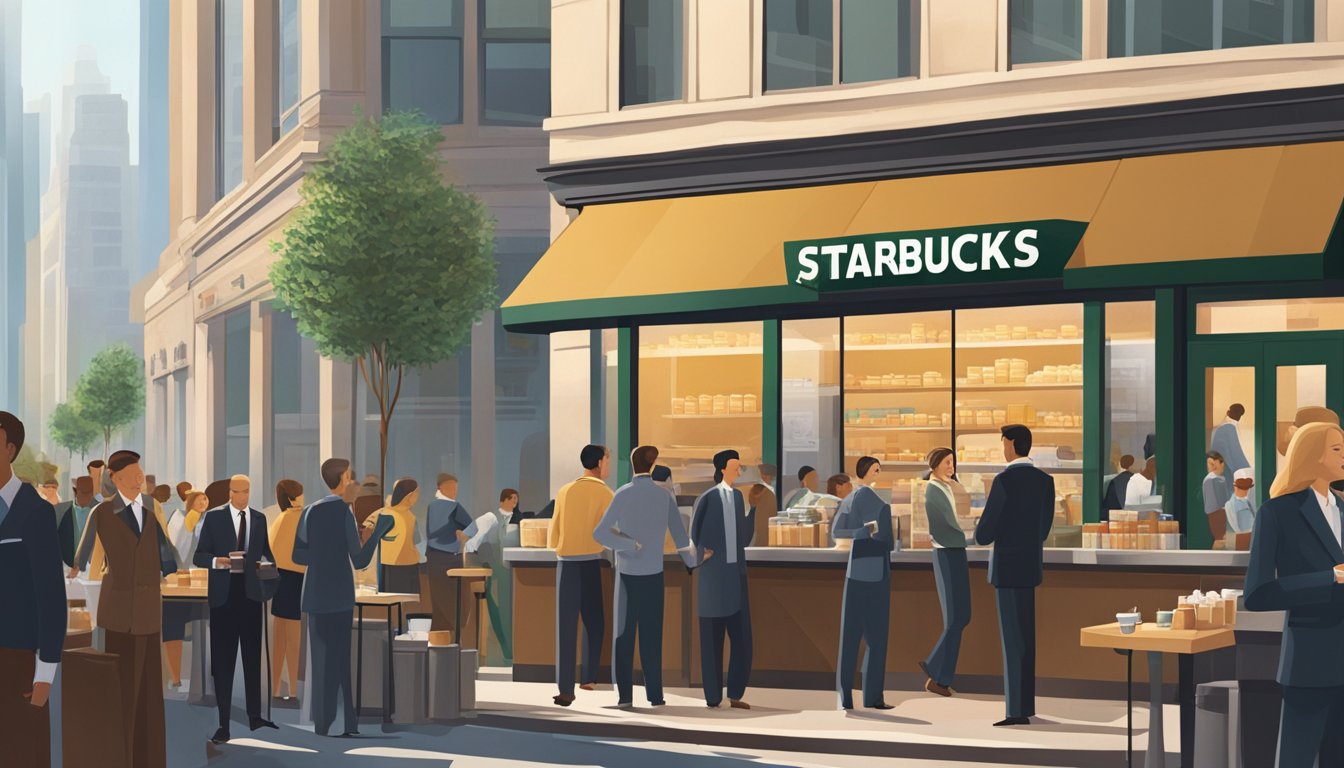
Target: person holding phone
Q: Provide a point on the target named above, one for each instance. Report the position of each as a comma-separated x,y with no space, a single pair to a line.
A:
866,611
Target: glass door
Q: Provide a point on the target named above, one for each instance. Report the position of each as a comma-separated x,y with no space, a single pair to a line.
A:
1246,399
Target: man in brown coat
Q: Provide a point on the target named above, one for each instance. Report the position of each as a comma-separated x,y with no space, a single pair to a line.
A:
762,498
130,609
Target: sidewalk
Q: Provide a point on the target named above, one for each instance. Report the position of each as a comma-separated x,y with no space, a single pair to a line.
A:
1068,732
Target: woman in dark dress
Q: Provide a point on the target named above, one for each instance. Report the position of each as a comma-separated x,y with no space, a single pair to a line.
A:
285,605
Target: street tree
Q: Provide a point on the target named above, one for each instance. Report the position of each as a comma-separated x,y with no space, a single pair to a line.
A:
384,264
71,431
111,392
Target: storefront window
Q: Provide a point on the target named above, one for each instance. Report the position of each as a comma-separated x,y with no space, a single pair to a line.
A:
1144,27
294,394
1270,316
898,396
233,373
811,408
1131,412
1045,30
700,393
651,51
1022,365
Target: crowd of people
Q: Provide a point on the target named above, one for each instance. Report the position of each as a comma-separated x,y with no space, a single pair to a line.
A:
635,521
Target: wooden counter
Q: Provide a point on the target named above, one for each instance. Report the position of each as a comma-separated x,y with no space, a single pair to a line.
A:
795,609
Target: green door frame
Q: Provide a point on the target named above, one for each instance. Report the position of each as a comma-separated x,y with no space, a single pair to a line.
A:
1265,352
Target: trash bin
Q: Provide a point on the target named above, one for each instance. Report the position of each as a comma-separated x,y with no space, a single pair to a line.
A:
1260,699
409,665
445,673
470,663
1213,724
375,662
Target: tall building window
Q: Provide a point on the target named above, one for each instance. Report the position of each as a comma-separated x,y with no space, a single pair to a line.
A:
228,95
1045,30
816,43
516,61
1144,27
294,405
422,58
286,66
652,48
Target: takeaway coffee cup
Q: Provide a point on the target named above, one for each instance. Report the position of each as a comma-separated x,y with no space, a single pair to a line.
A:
1127,622
236,561
1164,619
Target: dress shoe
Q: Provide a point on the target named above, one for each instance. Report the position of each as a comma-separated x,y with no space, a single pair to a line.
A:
563,699
941,690
260,722
881,705
221,736
659,703
715,705
625,705
738,704
1014,721
349,734
587,687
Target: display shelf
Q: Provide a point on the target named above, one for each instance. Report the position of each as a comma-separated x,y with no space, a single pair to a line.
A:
712,416
959,430
701,352
895,428
905,466
1019,387
1025,344
895,390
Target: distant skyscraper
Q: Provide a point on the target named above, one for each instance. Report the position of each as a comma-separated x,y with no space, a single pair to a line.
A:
153,174
41,107
12,240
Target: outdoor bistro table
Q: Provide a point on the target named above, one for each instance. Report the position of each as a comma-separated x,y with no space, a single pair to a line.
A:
202,686
467,574
1146,637
387,600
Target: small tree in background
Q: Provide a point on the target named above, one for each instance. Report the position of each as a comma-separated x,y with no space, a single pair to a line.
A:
111,393
32,467
71,431
383,263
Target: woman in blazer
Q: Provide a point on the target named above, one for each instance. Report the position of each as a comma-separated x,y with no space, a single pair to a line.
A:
285,605
944,500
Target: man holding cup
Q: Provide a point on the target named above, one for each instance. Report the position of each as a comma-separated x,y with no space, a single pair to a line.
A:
866,611
234,545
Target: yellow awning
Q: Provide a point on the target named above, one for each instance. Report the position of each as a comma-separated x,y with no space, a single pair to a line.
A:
1148,219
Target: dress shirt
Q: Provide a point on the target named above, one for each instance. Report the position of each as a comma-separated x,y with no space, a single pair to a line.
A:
247,535
45,672
136,509
729,521
1331,512
483,527
1021,460
438,495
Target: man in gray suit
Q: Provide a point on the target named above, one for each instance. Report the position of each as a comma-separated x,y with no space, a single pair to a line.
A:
328,543
636,523
1226,441
721,524
866,611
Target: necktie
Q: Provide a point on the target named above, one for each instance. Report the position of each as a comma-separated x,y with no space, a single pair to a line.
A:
729,526
242,530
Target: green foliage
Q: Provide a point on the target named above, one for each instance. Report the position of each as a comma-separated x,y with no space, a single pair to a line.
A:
111,392
32,466
70,430
382,255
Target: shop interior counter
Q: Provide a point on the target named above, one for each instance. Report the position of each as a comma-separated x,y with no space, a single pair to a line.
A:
795,606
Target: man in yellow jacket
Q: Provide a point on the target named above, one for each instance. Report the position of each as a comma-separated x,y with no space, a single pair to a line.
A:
578,590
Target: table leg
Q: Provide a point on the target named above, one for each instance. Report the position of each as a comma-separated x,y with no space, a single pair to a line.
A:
359,660
198,692
388,688
1186,689
1129,705
457,612
1156,756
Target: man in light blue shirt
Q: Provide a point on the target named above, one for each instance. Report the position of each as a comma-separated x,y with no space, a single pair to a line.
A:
444,520
636,523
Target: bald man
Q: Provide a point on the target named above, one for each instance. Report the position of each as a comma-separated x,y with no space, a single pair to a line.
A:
233,541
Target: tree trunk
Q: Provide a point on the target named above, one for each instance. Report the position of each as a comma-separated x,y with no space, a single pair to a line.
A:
107,440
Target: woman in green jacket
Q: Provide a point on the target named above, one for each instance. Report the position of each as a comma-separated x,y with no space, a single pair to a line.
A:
944,500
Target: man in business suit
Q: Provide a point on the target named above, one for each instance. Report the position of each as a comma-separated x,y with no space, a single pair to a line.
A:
866,610
444,519
328,543
236,597
1297,565
722,526
72,516
1226,441
634,526
32,609
1018,513
763,504
130,607
1115,488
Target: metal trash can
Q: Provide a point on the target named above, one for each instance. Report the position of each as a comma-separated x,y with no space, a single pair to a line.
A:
1213,723
409,668
1260,699
470,664
375,662
445,673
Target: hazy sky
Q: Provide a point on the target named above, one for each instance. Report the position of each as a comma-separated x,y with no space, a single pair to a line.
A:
53,31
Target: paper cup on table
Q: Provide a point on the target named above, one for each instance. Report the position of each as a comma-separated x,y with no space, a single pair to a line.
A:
1127,622
1164,619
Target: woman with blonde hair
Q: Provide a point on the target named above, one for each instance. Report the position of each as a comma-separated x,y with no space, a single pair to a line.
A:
285,606
1297,565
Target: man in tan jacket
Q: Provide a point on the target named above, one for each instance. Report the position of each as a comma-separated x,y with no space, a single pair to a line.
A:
578,581
130,609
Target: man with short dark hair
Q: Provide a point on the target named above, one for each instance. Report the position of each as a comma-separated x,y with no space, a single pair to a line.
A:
1018,513
444,521
578,573
865,612
1217,492
328,543
807,483
32,609
634,526
722,526
1226,441
71,516
130,610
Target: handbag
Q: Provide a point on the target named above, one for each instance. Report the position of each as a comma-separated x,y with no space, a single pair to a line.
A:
268,578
